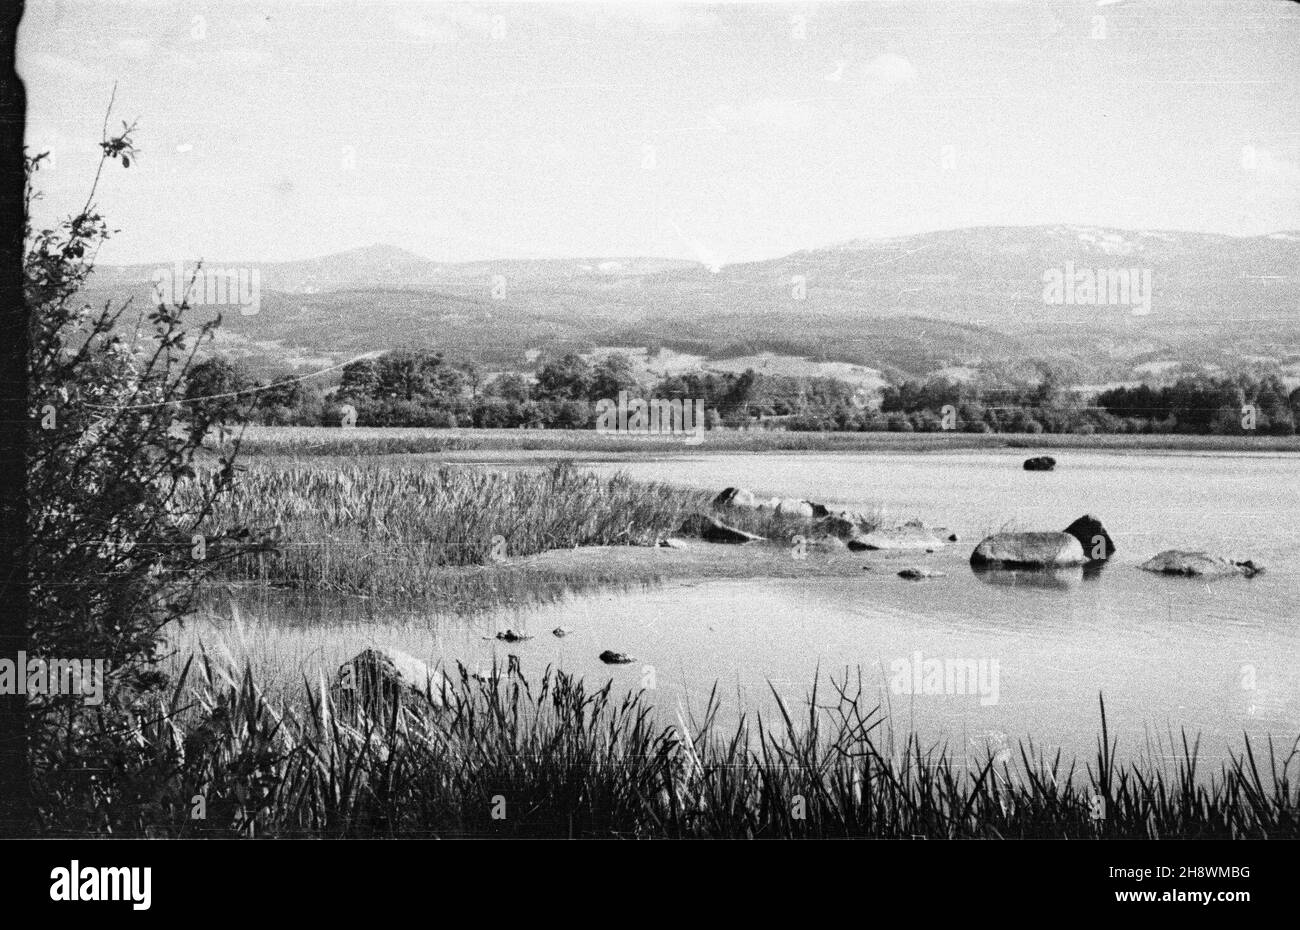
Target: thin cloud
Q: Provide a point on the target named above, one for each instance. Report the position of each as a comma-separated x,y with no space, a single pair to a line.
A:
886,73
770,113
134,49
58,65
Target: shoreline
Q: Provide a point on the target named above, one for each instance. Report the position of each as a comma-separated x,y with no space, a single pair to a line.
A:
468,446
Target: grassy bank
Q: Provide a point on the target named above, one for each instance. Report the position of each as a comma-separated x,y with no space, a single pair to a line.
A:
312,441
450,535
505,758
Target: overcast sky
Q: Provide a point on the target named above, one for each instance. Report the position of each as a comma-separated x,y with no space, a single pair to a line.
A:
460,131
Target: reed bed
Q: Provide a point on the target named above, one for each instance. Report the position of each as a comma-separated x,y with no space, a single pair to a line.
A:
356,441
503,757
441,533
451,535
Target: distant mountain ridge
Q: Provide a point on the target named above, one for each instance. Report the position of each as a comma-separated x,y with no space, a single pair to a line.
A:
393,267
913,303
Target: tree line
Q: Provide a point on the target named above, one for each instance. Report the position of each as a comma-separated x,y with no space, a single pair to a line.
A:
420,388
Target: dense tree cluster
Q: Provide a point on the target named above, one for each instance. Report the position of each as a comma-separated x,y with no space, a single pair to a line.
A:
1208,405
410,388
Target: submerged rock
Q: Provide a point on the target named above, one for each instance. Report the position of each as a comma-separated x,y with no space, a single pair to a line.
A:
1028,550
909,536
1040,463
1096,542
918,574
610,657
712,529
1199,564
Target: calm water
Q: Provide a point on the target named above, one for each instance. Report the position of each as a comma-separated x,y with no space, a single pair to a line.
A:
1221,658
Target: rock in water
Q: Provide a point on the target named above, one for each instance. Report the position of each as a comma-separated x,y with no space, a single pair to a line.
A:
610,657
908,536
1096,542
918,574
1028,550
1199,564
714,530
734,497
376,679
1040,463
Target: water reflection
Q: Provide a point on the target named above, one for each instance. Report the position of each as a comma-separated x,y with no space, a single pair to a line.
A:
1055,579
1092,571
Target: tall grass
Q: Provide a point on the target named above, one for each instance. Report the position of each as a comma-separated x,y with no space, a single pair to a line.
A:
504,757
415,530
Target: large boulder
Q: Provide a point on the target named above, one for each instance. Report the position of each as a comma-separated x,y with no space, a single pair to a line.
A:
793,508
1028,550
377,679
1199,564
909,536
1040,463
712,529
734,497
1096,542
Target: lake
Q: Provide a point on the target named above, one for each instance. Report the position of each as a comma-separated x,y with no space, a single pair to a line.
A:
1221,658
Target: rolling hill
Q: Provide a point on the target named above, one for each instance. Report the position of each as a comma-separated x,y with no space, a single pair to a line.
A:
917,304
